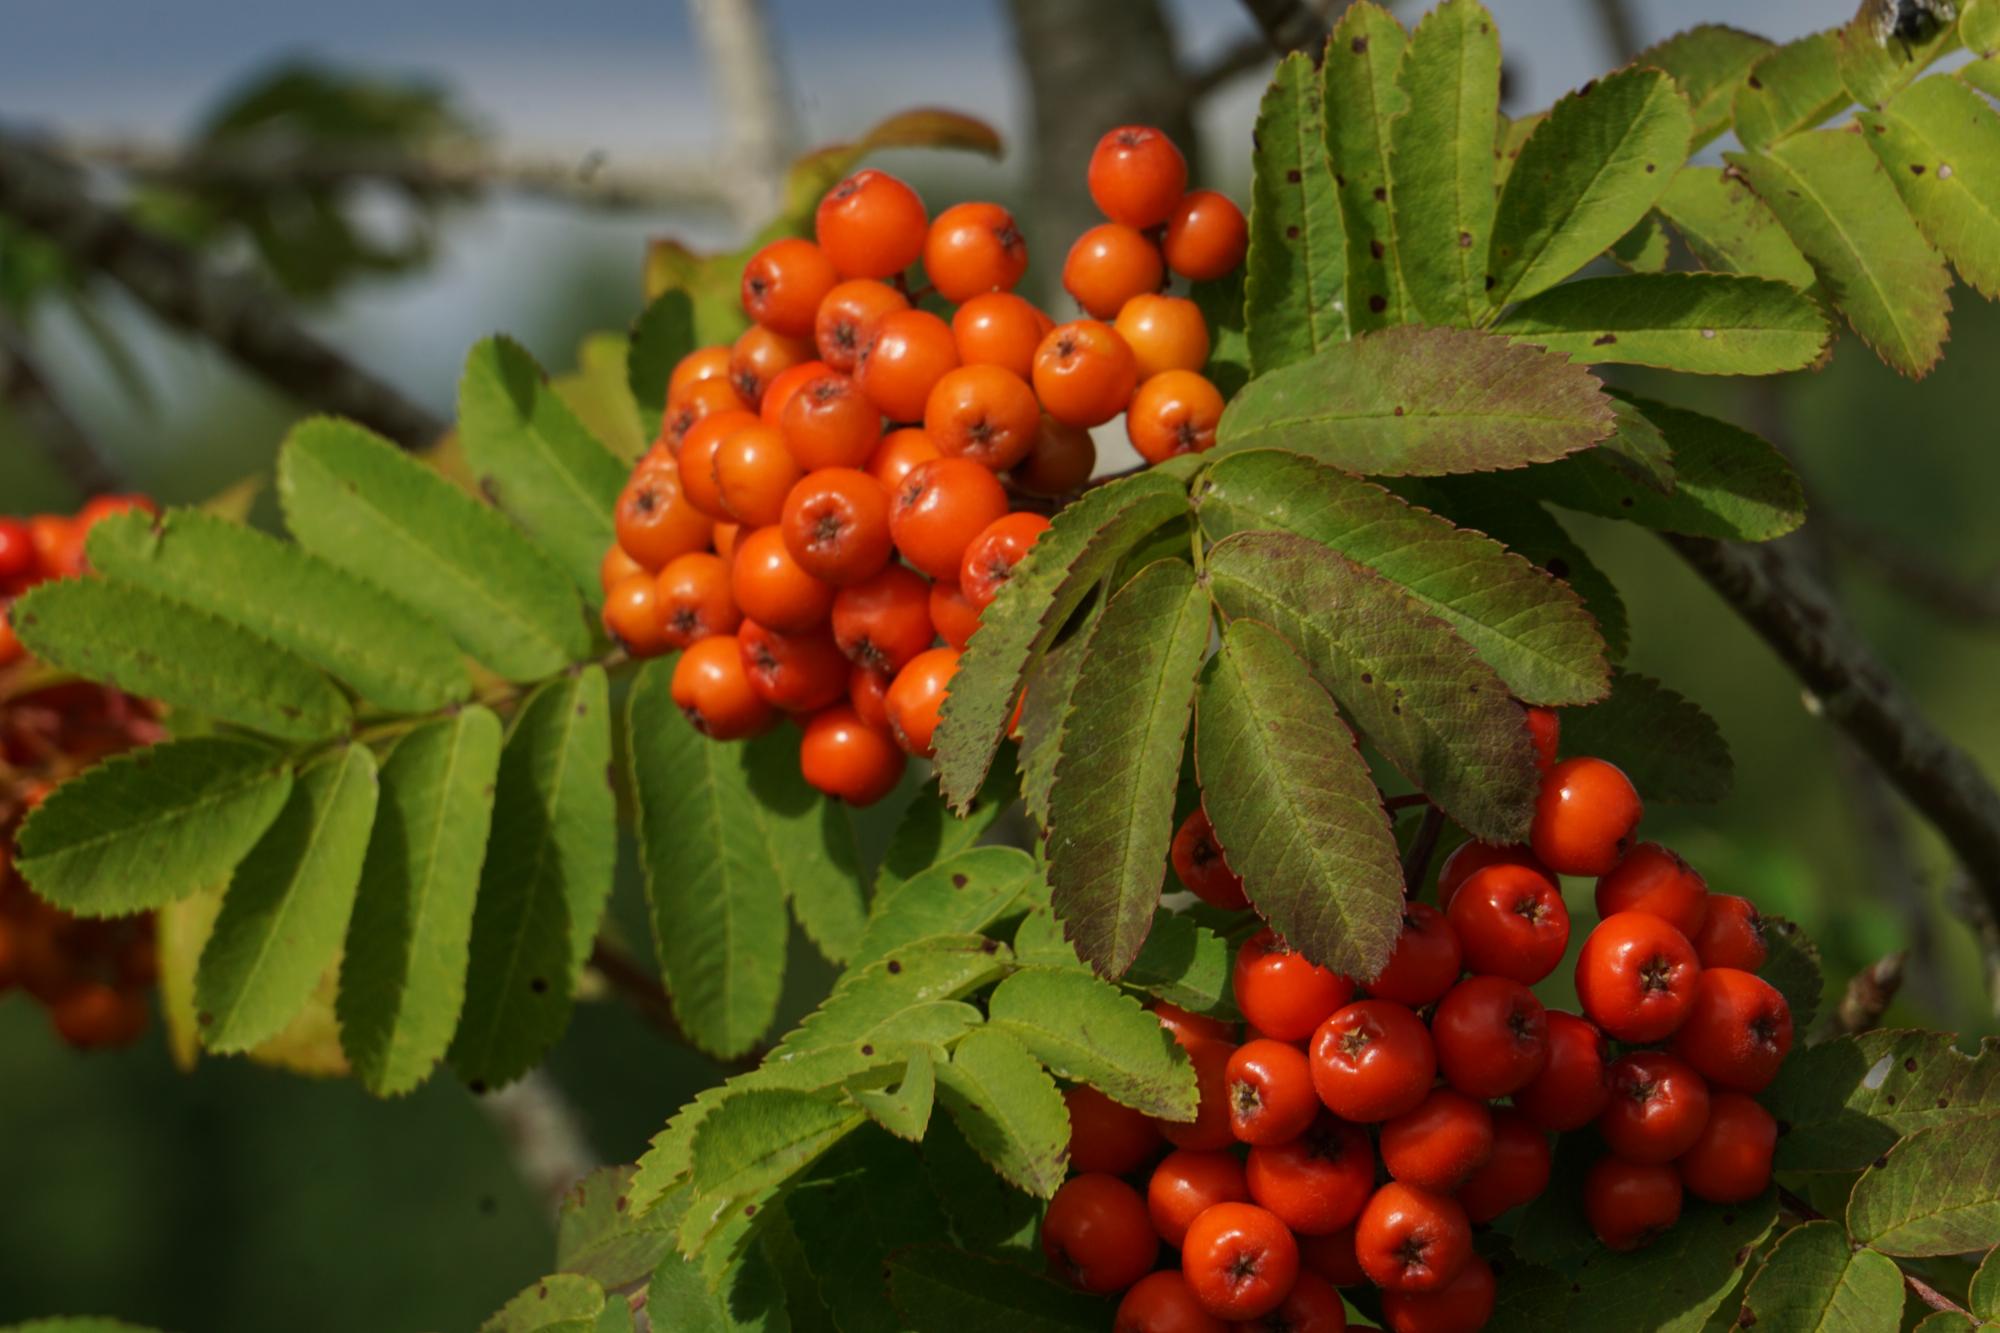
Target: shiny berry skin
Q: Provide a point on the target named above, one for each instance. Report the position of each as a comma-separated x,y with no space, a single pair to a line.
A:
1738,1030
695,599
1515,1172
771,587
836,525
757,360
1174,412
1657,1109
1440,1142
1240,1260
1332,1255
1060,460
784,283
1469,858
632,614
1492,1036
884,621
1084,373
845,319
1315,1183
1584,817
1207,236
615,566
703,363
1109,265
917,694
1635,977
1281,993
1187,1183
898,454
1270,1092
1545,733
1462,1305
1731,1161
974,248
983,413
939,509
954,615
17,553
1096,1234
1137,175
1652,879
754,472
1732,934
1575,1082
829,422
1163,1302
1312,1306
712,688
1511,922
1198,861
1410,1239
655,522
989,561
871,225
800,673
1107,1136
1372,1060
697,459
847,759
725,541
1164,333
1425,962
1629,1203
908,352
868,692
1185,1027
1209,1130
999,329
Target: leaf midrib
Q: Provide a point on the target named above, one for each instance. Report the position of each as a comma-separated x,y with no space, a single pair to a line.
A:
531,428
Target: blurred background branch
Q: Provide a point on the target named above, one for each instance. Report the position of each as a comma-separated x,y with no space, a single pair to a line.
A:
27,393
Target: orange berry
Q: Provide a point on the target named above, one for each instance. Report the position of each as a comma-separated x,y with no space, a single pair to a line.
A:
1137,175
1173,413
784,386
632,614
974,248
848,759
1084,373
799,673
1164,333
871,225
908,353
836,525
759,356
868,692
898,454
695,601
999,329
712,688
917,694
830,423
697,459
784,283
953,613
95,1014
983,413
753,473
1108,266
703,399
725,540
703,363
1060,460
654,521
940,508
615,566
771,587
989,561
883,622
1206,236
847,315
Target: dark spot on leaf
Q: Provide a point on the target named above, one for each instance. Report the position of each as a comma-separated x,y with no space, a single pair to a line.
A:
1378,303
204,1018
1891,1099
1360,44
620,1205
1604,340
868,1048
1651,168
1910,1065
894,967
1367,678
542,1292
1293,176
1943,1102
1375,247
1399,409
1381,193
1881,1161
1291,233
1756,82
959,881
1916,168
1557,566
1626,502
749,1210
1465,240
1340,180
1489,282
539,985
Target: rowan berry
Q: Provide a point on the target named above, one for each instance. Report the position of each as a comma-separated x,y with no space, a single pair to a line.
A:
1209,1130
1657,1109
999,329
1651,879
1311,1306
632,614
829,422
615,566
1332,1255
1516,1171
1731,1160
754,471
1270,1092
1411,1239
695,600
1584,817
983,413
1635,977
703,363
917,694
974,248
1108,266
785,387
654,522
1316,1182
940,508
1629,1203
1084,373
868,692
712,687
1164,332
1185,1027
11,648
1284,994
1575,1082
1545,734
848,759
1174,412
1187,1183
847,316
1440,1142
954,615
884,621
989,561
1469,858
1059,461
17,550
1425,962
1462,1305
725,541
1105,1135
1207,236
1372,1061
771,587
1492,1036
836,525
58,550
1136,176
94,1015
1163,1302
1511,922
1096,1233
800,673
1240,1260
1738,1030
897,455
759,357
1732,934
907,353
1198,860
871,225
783,284
696,459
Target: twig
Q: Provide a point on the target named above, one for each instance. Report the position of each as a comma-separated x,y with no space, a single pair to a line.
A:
1869,993
48,195
742,64
1290,25
544,1134
639,987
1621,37
33,400
1417,860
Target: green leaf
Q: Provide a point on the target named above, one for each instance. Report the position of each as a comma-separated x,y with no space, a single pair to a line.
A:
1875,65
1793,968
599,1236
546,877
1940,142
288,905
558,1303
1795,87
1046,697
359,502
929,832
911,996
1183,963
1362,99
1708,63
943,1290
1082,545
150,827
1815,1282
1530,1299
1983,1299
1673,1284
280,592
906,1112
712,883
790,1263
811,845
1008,1109
1532,630
960,895
1111,801
1729,229
1443,161
1645,248
1088,1031
1640,447
1222,306
1294,281
1848,1100
1585,177
663,334
1728,483
1411,685
1419,401
863,1202
758,1137
1979,26
402,981
1292,801
597,392
689,1295
148,645
1947,1321
1672,750
1937,1193
987,1214
75,1324
1983,74
536,460
1697,323
1836,200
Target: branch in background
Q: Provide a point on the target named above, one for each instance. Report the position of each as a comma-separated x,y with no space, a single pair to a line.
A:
1289,25
49,196
1953,595
1869,994
742,65
544,1135
1985,930
639,986
1621,35
32,400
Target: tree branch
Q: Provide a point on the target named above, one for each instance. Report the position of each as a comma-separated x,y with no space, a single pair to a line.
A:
762,131
48,195
1290,25
41,414
1869,993
1621,37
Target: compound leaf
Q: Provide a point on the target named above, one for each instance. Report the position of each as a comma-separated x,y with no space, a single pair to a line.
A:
1708,62
1008,1108
1937,1192
1088,1031
1816,1282
1294,282
1848,1100
1442,159
1729,229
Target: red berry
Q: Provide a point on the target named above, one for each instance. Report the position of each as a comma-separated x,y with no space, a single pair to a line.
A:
1469,858
847,758
1492,1036
1731,1161
990,560
1312,1306
1163,1302
1240,1260
1137,175
1584,817
1271,1096
1187,1028
1332,1255
1281,993
784,283
1210,1128
1511,922
1425,962
1107,1136
1574,1084
1635,977
1096,1233
1652,879
1628,1203
1732,934
1515,1172
1441,1142
1317,1182
1738,1030
871,225
1410,1239
1206,236
1198,860
1657,1109
1545,731
1463,1305
1186,1184
1372,1060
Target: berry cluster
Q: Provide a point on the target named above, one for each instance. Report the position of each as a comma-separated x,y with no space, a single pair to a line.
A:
92,975
854,478
1356,1134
